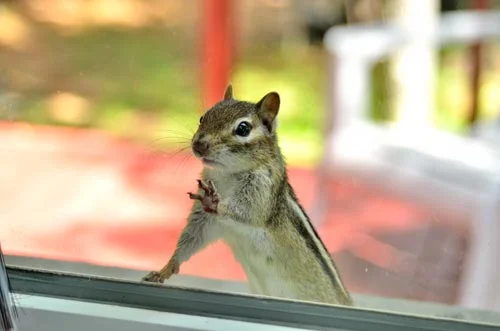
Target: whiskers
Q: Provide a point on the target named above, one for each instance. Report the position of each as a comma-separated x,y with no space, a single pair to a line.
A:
172,150
171,144
170,147
172,138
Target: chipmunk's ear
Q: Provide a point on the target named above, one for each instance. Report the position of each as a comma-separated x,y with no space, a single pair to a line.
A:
228,95
267,109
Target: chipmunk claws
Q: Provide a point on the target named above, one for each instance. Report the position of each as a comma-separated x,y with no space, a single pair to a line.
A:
209,199
170,269
153,277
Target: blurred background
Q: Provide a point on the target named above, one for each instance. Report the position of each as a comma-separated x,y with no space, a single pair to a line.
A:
388,124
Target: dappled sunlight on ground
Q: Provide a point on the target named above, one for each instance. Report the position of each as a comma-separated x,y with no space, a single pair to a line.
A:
79,14
69,108
15,32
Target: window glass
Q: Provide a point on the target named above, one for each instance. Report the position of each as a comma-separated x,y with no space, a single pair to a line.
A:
387,122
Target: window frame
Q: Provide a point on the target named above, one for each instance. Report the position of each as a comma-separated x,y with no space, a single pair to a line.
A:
228,306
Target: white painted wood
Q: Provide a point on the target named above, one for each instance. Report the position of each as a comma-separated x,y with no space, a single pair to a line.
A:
412,159
427,309
51,314
414,64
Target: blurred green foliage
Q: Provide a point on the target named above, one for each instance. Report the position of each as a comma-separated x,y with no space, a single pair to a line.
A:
145,84
124,74
128,75
453,89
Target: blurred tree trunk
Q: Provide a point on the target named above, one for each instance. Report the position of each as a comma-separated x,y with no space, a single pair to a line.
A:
476,52
362,11
412,71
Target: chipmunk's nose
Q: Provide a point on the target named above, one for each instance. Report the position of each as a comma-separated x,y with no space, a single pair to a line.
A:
200,147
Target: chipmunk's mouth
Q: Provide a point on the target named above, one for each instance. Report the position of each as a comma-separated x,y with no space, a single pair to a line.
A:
210,162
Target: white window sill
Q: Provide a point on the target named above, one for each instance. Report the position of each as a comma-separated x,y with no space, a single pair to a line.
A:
68,303
38,313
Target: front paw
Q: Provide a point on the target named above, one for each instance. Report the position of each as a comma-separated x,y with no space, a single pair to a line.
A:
172,268
153,277
210,199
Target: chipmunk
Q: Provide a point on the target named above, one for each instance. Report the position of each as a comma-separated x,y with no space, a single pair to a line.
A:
245,199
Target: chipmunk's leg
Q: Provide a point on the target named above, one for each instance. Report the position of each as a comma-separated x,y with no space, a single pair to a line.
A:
199,232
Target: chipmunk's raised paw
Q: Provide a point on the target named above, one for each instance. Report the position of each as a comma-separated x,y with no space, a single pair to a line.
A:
209,199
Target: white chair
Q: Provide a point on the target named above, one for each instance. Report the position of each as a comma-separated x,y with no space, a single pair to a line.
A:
448,173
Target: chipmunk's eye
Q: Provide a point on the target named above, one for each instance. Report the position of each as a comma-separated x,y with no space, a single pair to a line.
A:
201,119
243,129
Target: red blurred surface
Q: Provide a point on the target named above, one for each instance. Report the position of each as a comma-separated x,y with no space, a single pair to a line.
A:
81,195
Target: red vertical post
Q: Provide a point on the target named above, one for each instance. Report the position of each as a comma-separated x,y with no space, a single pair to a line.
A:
217,49
475,54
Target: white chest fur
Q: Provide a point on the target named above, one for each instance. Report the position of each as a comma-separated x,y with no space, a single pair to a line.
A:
255,251
251,244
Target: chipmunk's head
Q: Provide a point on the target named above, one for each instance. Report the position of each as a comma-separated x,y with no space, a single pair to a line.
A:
238,135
